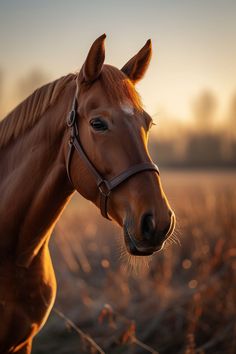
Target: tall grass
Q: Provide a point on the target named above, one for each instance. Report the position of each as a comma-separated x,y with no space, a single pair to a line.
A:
182,300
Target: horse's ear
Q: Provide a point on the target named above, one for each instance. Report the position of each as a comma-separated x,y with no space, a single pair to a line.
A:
95,59
137,66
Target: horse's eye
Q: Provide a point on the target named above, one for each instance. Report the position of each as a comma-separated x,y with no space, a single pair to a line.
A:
98,124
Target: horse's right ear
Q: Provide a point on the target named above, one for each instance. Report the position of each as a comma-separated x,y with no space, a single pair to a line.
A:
95,59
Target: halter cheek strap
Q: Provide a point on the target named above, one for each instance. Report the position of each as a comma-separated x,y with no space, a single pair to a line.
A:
104,186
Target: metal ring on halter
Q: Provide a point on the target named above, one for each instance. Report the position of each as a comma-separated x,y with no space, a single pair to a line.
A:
106,192
71,118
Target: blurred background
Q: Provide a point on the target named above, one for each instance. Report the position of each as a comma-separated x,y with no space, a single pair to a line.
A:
183,300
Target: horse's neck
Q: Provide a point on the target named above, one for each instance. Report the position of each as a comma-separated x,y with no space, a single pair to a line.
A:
37,187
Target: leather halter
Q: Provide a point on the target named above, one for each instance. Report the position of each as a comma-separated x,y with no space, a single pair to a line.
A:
104,186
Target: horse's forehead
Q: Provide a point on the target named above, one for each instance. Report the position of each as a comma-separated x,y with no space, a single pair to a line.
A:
125,106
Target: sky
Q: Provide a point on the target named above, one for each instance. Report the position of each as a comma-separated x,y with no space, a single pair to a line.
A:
194,46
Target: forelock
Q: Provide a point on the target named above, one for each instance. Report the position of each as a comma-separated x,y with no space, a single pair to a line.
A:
118,88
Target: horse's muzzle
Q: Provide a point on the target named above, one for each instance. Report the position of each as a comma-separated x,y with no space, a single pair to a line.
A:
152,239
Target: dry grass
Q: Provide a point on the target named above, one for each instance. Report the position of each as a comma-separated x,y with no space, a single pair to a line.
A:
183,300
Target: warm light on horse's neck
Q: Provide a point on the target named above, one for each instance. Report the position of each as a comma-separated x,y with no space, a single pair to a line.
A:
50,189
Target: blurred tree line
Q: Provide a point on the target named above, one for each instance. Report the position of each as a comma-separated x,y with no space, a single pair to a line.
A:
206,143
1,91
22,88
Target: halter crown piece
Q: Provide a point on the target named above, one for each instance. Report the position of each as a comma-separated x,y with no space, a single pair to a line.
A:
104,186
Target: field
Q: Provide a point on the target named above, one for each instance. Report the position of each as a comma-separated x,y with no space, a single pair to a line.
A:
182,300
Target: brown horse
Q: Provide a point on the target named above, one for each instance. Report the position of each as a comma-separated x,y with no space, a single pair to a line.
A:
86,132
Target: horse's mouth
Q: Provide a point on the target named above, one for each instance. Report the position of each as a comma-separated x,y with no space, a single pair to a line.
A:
137,250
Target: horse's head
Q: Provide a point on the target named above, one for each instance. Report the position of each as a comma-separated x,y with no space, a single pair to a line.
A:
112,130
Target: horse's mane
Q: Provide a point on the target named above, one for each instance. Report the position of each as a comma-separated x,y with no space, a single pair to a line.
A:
28,112
117,86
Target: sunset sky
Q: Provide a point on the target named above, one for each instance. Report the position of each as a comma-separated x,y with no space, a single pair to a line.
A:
194,44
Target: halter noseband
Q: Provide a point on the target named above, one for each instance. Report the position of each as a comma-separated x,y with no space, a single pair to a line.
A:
104,186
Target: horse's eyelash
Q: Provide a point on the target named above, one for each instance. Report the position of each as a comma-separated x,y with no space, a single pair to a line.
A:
151,124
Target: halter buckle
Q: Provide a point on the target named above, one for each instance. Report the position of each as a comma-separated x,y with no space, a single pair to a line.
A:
71,140
104,188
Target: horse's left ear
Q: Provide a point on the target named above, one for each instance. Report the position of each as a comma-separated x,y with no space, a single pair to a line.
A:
137,66
95,59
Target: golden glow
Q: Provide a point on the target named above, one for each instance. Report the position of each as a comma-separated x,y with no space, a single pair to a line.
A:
194,48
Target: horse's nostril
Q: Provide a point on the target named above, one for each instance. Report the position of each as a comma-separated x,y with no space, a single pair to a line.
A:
147,226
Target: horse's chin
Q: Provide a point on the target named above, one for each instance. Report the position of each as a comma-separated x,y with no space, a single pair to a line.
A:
135,250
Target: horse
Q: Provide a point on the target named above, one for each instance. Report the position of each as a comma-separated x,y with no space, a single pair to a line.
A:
84,132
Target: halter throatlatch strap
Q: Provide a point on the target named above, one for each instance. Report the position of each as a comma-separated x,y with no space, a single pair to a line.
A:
104,186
